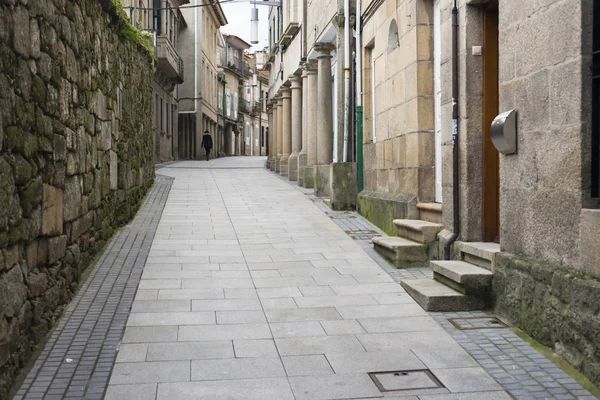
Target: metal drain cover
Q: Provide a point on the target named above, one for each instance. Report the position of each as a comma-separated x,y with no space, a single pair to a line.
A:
391,381
471,323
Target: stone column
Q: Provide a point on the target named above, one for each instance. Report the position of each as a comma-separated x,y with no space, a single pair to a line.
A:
279,131
324,119
296,122
303,155
274,155
273,135
267,140
324,104
311,122
286,96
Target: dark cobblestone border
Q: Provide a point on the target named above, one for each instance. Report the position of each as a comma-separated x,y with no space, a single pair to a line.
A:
520,369
77,360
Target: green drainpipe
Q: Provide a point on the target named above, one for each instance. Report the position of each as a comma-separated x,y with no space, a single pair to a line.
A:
359,147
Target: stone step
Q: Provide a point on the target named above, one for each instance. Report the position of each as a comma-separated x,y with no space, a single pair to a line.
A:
462,276
431,212
482,254
435,296
402,252
417,230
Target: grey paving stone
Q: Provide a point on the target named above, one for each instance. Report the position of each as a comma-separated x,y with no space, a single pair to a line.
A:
140,306
345,327
333,301
240,317
255,348
172,318
306,365
295,329
237,368
316,291
468,396
318,345
224,332
244,304
278,303
148,334
146,391
267,293
243,389
177,351
466,379
306,314
406,324
150,372
190,294
132,352
344,363
333,387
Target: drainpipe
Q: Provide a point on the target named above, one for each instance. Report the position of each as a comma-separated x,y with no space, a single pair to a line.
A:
346,77
455,152
359,109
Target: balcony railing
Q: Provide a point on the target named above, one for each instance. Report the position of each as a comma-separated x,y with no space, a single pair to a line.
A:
168,62
244,106
238,65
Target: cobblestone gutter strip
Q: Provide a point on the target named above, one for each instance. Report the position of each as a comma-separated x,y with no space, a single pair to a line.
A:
77,360
519,368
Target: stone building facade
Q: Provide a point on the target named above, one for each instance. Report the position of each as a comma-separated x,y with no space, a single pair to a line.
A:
198,109
531,216
76,155
163,19
234,70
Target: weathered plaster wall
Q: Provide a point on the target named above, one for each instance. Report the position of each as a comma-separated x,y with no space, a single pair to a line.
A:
76,155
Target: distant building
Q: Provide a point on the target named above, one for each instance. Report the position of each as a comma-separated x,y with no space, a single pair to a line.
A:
166,21
199,101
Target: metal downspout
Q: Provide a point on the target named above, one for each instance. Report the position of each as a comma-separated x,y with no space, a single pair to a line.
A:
455,136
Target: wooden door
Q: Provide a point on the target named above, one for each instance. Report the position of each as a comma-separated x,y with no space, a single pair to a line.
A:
491,159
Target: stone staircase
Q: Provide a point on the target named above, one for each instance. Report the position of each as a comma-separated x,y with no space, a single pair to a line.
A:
457,285
414,246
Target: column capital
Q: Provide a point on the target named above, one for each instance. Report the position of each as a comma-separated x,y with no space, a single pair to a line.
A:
324,49
296,81
309,68
285,92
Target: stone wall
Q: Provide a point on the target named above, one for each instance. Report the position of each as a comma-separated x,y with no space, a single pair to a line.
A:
76,155
557,306
399,157
547,183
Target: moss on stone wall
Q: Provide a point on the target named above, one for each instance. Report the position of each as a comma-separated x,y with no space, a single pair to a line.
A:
76,155
557,306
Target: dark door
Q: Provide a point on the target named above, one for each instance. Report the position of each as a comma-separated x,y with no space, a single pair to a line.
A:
491,159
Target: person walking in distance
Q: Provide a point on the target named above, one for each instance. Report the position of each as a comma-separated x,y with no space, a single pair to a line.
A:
207,143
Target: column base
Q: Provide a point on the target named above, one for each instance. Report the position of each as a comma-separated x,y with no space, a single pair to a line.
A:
277,164
322,183
308,177
302,161
343,186
293,167
283,169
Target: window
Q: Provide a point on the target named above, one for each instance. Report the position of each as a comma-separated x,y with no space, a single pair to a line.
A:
161,115
167,118
262,136
157,17
596,104
172,118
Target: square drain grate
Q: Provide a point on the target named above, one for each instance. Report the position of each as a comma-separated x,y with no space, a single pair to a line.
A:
471,323
396,381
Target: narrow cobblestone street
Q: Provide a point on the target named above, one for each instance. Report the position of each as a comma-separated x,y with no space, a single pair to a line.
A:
252,289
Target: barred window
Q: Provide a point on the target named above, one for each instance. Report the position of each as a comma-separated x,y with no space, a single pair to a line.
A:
596,103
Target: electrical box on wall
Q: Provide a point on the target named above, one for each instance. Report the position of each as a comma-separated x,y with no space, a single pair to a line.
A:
504,132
